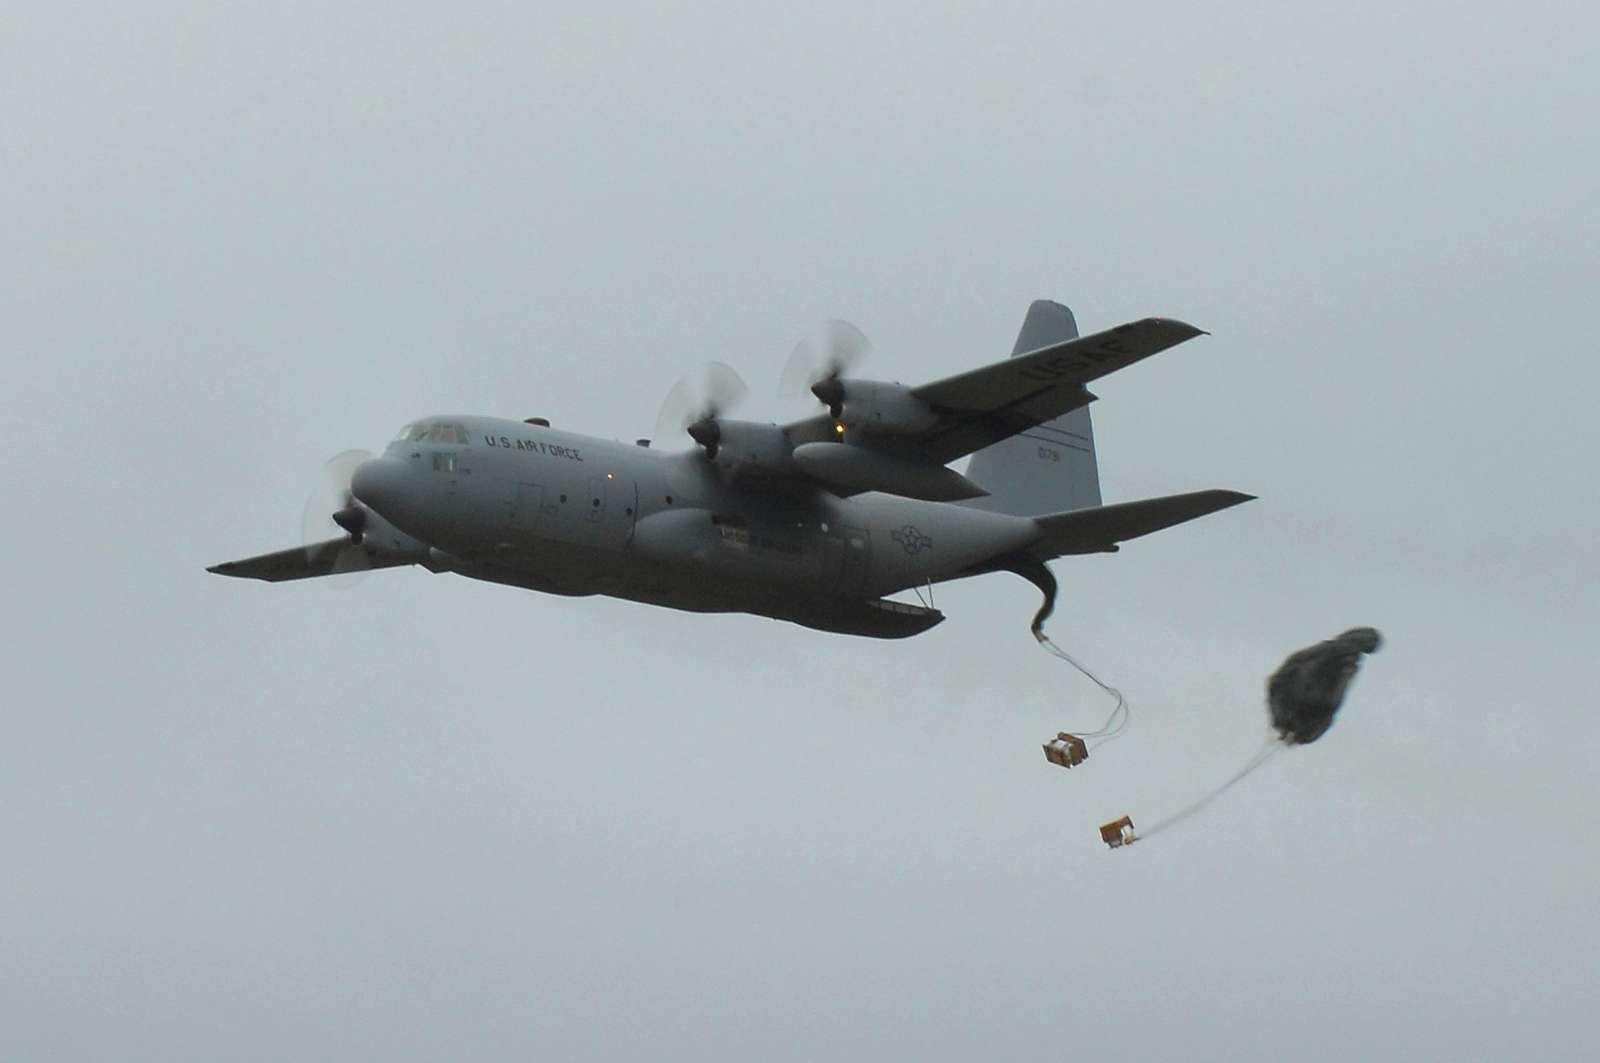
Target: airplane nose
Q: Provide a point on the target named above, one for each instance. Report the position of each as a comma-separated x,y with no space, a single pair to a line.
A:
377,483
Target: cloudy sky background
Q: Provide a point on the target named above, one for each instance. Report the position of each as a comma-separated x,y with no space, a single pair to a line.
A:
427,817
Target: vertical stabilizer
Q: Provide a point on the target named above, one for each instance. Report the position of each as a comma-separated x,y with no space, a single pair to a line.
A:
1051,467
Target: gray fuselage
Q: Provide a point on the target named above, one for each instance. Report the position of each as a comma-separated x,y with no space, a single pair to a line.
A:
524,504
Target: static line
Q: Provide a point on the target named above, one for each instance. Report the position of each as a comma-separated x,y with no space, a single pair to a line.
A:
1117,721
1261,756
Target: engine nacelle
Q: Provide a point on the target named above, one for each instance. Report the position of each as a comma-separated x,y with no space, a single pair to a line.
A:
855,468
752,448
888,409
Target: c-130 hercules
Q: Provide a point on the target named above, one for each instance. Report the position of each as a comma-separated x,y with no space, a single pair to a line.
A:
814,522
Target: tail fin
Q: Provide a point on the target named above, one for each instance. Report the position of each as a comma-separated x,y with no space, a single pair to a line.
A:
1051,467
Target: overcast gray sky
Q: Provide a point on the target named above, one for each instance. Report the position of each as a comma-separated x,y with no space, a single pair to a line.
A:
428,818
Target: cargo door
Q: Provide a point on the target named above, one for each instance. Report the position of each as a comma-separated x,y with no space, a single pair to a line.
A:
527,510
854,553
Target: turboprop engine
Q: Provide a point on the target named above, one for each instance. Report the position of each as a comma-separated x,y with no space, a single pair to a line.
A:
875,406
850,467
753,449
744,447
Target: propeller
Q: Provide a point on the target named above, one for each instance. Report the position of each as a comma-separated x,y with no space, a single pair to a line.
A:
818,363
331,508
695,403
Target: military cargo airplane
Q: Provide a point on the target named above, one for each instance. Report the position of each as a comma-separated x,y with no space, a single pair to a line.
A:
815,522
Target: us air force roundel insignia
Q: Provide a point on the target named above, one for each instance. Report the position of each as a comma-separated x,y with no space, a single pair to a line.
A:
912,539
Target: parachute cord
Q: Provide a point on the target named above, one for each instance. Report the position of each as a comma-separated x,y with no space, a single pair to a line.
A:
1268,748
1117,721
1038,573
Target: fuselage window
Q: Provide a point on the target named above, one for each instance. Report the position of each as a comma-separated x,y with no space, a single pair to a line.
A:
444,461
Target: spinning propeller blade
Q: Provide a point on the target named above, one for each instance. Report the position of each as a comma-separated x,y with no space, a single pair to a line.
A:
696,401
818,362
331,509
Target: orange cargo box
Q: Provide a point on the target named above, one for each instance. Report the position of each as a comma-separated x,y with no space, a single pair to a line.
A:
1066,750
1118,832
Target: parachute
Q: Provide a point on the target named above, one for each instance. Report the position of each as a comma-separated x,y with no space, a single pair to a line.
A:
1307,689
1303,696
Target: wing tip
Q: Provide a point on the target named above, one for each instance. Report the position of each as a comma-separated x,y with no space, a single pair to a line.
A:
1224,498
1177,325
235,569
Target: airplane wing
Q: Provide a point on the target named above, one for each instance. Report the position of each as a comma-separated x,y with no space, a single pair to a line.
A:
997,401
303,562
1098,529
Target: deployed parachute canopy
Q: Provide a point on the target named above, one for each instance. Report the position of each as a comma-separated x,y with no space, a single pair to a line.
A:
1305,692
1302,697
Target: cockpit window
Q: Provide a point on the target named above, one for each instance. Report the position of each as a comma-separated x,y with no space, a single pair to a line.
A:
433,432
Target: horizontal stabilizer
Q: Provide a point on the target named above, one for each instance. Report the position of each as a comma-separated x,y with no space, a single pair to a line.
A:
303,562
1099,529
